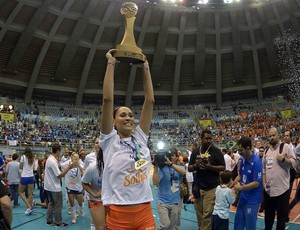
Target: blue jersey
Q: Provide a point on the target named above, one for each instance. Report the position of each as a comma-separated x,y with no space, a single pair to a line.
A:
251,171
2,163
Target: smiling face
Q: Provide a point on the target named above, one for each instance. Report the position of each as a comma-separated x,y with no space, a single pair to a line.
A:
124,121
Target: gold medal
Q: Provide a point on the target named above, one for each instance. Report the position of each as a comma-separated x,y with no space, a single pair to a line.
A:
140,163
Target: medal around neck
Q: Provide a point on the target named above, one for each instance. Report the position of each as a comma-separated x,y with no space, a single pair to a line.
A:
140,163
205,156
128,51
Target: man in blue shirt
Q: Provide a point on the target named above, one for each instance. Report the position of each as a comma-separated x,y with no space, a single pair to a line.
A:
167,177
249,183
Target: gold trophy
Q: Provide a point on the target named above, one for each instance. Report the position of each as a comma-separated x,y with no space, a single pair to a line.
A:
128,51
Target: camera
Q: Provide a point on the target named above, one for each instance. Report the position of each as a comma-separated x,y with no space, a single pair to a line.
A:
159,157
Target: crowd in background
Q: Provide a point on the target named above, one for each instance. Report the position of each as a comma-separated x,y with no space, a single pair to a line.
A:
190,166
33,130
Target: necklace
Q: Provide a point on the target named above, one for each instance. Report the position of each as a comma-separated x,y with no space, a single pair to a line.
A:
206,154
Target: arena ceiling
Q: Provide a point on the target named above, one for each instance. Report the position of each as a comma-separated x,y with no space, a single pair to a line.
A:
55,49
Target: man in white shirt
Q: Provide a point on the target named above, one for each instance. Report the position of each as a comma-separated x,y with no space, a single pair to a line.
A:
228,160
52,185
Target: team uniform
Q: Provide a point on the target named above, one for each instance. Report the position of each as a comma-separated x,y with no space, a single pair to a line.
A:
73,179
246,214
91,176
126,190
27,176
89,159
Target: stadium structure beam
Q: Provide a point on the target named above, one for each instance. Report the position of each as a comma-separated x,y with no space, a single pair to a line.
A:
268,44
92,51
178,61
237,49
293,18
218,60
73,43
10,19
258,79
27,36
159,55
197,78
44,50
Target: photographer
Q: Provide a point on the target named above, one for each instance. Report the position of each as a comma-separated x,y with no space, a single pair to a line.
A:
167,176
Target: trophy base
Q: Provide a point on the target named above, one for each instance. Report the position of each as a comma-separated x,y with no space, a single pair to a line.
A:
130,57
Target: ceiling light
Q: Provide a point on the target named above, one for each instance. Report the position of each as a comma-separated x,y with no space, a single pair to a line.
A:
203,1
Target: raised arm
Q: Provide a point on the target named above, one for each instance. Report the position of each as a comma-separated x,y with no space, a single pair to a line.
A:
147,110
108,94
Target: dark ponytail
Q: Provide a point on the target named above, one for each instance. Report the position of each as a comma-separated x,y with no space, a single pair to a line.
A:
100,162
28,153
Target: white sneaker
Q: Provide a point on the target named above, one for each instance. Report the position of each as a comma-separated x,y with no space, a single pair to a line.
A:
28,211
74,219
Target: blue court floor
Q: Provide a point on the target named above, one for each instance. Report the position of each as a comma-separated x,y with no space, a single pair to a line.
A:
38,219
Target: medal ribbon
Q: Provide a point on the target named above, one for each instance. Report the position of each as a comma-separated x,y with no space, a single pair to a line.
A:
136,149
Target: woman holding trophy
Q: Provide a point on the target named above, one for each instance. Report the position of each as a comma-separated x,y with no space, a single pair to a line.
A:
126,177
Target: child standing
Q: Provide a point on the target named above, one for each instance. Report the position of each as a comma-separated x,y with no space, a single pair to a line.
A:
224,198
